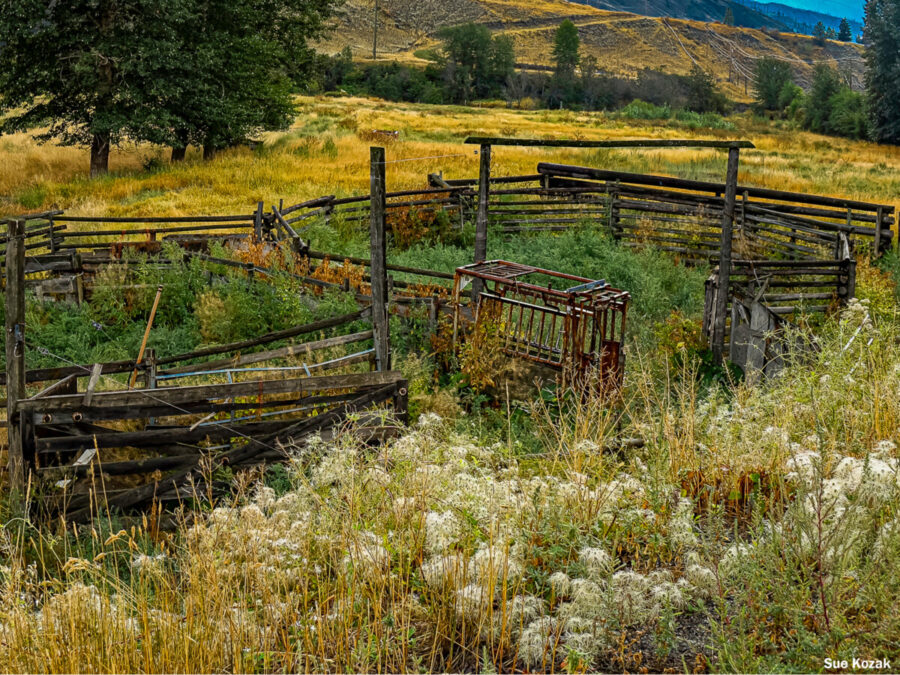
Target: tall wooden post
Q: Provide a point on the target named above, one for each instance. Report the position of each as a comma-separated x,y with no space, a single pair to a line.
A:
257,222
722,290
15,353
879,217
481,222
378,255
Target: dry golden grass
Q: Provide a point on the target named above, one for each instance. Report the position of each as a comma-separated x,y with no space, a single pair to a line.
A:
323,154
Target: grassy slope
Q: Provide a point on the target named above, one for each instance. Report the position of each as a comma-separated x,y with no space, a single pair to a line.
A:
623,43
324,154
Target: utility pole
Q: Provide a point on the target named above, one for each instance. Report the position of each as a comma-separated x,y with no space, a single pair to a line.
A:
375,33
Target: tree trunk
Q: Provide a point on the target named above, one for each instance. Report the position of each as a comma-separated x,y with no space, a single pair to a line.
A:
99,155
178,153
209,151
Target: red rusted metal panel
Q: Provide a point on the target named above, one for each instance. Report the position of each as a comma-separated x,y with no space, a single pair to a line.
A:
569,323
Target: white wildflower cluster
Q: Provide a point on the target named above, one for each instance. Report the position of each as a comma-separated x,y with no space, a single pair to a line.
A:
265,541
149,564
856,314
681,526
836,495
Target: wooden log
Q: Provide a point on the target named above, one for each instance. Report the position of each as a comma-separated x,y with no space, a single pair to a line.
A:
684,184
309,204
162,219
567,143
337,257
481,220
154,409
15,359
269,337
161,436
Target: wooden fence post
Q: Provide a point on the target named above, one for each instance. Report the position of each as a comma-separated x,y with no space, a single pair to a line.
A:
15,354
879,217
722,290
257,222
481,222
378,255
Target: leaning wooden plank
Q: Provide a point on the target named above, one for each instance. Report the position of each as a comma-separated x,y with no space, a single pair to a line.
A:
270,337
257,357
57,387
92,384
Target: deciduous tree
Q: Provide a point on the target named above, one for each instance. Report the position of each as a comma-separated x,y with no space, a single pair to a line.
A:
172,72
769,79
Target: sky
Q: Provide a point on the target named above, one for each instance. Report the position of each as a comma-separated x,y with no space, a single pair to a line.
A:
849,8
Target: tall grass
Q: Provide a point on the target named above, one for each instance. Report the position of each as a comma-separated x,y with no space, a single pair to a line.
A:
754,531
326,153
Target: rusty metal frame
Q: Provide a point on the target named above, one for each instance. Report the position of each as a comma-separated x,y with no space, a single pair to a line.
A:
576,329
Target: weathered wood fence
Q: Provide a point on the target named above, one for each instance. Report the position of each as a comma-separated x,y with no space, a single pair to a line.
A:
775,253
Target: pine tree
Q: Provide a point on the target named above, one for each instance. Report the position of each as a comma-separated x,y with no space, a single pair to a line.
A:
565,51
883,69
566,58
826,83
819,34
729,17
844,33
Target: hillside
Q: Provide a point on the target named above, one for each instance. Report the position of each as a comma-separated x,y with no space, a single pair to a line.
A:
697,10
623,43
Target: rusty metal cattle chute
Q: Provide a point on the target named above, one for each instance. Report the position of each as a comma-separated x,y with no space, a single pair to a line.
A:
577,329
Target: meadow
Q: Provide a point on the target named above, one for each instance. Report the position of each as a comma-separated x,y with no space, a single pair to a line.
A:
756,530
326,152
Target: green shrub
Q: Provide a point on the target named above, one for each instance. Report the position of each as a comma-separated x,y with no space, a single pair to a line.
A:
641,110
693,120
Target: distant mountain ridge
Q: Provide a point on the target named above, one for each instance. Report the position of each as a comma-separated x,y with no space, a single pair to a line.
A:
800,20
697,10
747,13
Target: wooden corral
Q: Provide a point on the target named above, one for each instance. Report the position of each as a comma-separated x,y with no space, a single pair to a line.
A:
774,254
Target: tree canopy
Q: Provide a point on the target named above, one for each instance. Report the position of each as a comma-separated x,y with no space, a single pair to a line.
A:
163,71
844,32
475,62
769,80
